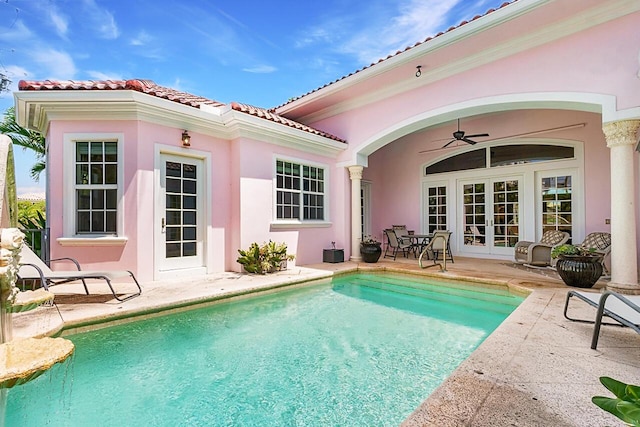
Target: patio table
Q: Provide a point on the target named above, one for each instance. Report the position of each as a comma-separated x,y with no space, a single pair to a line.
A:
419,241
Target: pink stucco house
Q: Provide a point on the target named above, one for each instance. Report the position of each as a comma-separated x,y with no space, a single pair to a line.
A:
554,83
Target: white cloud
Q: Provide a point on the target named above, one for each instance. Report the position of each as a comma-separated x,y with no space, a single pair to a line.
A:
386,27
59,22
141,39
99,75
16,32
15,74
260,69
414,21
101,19
31,190
57,65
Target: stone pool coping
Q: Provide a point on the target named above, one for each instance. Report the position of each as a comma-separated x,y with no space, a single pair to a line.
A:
535,369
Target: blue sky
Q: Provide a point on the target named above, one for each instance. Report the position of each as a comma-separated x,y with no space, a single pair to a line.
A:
256,52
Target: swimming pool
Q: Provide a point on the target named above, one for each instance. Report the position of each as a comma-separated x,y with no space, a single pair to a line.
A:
365,349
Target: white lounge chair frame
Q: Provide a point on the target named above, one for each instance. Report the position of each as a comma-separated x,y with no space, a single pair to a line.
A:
33,268
624,309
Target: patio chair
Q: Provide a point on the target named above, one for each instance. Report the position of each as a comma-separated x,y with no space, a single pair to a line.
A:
439,243
600,243
539,253
395,245
624,309
31,267
401,231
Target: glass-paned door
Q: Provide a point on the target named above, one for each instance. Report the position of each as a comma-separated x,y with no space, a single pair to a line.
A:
490,221
474,220
181,223
557,203
506,205
436,218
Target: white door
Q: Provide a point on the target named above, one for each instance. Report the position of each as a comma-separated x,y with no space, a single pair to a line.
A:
489,218
180,225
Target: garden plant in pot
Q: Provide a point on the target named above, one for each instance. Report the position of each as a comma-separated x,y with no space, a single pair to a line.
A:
370,249
577,266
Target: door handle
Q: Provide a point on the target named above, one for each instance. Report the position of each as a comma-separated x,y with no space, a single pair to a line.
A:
163,225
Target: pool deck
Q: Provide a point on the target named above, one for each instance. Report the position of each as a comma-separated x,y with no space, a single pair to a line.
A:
536,369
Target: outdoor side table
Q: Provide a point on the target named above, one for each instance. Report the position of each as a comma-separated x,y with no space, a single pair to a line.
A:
333,255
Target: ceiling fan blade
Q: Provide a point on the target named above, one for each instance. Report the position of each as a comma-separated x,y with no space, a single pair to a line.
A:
449,143
478,135
468,141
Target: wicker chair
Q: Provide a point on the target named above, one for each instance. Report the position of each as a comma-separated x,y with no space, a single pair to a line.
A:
539,253
600,242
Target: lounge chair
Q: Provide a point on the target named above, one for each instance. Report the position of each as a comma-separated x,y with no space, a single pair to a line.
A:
33,268
624,309
539,253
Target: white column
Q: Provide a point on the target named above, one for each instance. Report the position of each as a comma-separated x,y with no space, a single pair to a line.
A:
621,140
355,173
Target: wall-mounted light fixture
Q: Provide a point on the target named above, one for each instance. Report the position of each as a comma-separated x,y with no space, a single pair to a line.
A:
186,139
418,70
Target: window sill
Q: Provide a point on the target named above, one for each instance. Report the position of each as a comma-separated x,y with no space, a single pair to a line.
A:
92,241
300,224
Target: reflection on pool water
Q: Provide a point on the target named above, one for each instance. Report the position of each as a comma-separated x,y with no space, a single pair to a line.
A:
363,350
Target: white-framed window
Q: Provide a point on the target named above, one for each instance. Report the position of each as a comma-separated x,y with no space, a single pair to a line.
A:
300,191
93,186
96,187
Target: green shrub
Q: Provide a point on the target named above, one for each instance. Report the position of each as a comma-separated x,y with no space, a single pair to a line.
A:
263,259
31,216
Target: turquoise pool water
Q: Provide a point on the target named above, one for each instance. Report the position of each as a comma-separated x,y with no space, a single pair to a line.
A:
363,350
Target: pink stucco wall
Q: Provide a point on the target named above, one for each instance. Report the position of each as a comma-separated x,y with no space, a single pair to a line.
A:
137,254
556,68
256,172
92,257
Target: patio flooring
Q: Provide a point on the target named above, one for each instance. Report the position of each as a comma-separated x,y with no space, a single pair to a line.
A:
536,369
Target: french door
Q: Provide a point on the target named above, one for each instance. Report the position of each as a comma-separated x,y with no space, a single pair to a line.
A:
180,226
489,220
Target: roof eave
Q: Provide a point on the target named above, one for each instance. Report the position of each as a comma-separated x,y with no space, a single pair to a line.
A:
36,109
410,54
243,125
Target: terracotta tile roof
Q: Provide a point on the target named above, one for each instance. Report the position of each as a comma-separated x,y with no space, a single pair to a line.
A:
150,88
394,54
144,86
270,115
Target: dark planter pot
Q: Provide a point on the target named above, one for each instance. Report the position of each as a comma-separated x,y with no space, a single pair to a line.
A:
370,252
578,270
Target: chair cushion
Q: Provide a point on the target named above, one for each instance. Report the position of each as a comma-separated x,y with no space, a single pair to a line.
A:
552,237
597,240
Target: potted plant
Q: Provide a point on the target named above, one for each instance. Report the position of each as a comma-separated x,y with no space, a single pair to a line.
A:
370,249
577,266
265,258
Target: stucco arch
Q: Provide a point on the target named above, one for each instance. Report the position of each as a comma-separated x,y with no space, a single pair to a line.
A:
577,101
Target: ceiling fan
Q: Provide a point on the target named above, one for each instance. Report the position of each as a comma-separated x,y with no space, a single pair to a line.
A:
459,135
500,138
